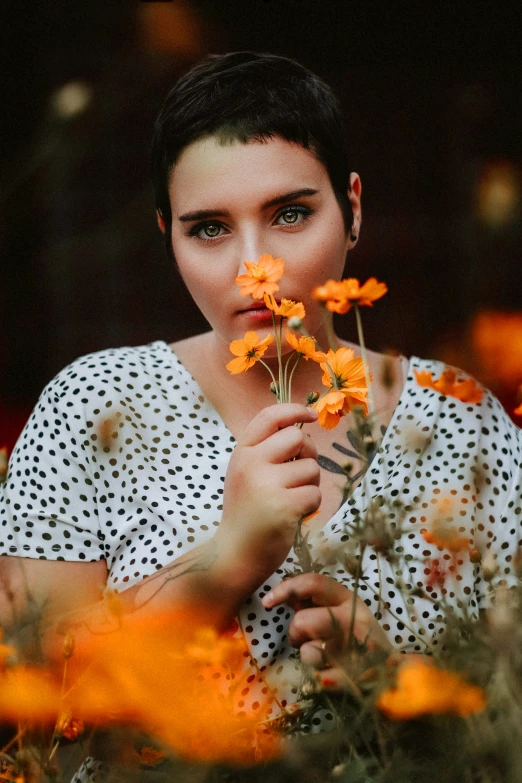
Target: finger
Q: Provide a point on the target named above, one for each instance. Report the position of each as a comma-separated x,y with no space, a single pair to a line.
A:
308,449
274,418
318,623
283,445
334,679
322,590
303,501
299,473
316,654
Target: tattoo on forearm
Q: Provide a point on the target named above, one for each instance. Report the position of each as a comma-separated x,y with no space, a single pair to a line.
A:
101,618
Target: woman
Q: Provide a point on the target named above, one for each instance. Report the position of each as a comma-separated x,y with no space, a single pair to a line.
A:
155,471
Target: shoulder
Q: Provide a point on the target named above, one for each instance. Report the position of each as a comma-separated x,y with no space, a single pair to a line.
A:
124,369
468,408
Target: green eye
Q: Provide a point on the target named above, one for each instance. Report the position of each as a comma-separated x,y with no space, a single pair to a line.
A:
211,230
290,216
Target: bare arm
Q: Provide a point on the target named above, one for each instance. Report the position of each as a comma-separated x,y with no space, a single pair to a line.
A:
271,482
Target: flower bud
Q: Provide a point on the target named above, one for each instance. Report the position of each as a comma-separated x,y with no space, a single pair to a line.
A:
312,397
351,563
68,645
295,322
274,388
490,566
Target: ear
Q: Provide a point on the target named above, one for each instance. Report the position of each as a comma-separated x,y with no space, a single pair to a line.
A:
354,194
161,222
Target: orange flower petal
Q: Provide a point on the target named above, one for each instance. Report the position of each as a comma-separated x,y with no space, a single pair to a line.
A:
305,346
241,364
248,351
261,277
518,410
465,391
423,689
340,296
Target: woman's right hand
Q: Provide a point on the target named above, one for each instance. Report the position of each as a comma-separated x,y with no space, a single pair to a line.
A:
272,481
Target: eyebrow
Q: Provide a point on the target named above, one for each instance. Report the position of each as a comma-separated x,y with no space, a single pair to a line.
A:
283,198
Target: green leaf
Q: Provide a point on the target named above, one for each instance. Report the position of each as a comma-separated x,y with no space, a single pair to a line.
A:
346,451
329,464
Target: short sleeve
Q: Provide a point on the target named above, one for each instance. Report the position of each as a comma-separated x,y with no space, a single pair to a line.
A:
498,481
48,501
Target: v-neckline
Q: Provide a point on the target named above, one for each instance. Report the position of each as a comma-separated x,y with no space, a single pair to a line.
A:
376,462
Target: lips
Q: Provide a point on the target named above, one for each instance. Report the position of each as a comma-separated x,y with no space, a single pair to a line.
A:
257,313
257,307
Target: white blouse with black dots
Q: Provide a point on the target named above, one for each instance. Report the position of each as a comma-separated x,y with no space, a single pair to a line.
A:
124,459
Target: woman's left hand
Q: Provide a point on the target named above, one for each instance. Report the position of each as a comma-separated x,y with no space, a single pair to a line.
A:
321,624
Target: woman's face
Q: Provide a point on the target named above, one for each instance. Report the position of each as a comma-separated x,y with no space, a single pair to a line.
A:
232,203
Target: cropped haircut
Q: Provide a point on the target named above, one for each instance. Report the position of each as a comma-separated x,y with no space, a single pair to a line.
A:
244,96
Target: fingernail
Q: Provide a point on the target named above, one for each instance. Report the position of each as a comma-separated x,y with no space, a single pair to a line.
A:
327,682
268,599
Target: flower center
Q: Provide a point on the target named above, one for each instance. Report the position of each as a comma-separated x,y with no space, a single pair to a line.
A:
259,274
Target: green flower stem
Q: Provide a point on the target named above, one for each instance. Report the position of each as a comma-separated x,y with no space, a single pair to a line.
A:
330,334
273,378
371,402
291,376
277,335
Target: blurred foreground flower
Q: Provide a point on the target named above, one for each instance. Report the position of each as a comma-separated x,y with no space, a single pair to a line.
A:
262,277
497,343
466,391
174,678
423,689
3,463
248,351
171,677
446,537
340,296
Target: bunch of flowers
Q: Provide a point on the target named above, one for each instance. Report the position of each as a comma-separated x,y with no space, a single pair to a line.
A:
346,378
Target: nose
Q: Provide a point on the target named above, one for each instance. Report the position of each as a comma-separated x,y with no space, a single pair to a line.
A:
250,247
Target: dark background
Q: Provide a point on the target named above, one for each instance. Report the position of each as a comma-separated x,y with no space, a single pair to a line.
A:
432,92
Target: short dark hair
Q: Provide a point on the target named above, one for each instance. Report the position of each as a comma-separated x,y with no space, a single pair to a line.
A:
244,96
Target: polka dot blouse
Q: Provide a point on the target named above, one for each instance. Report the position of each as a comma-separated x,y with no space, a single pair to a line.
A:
124,459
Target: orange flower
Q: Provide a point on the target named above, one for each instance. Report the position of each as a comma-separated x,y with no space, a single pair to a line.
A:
262,276
436,574
466,391
28,694
496,338
248,351
150,757
423,689
331,294
446,537
518,410
286,308
342,372
305,346
6,651
3,462
363,295
69,727
340,296
161,675
308,517
331,408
